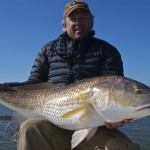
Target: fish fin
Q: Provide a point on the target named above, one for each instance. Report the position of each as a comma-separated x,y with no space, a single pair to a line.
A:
81,113
6,89
17,119
12,128
91,133
29,87
36,86
80,135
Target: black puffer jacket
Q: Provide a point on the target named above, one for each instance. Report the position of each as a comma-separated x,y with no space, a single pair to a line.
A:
64,61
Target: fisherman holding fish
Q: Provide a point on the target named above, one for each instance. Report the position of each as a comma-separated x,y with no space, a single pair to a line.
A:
74,56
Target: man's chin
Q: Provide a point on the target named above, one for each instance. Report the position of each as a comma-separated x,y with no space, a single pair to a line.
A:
78,36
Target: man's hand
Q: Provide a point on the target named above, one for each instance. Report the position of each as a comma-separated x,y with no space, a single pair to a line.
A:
117,124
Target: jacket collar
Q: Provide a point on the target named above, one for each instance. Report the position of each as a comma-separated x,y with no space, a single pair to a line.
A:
65,46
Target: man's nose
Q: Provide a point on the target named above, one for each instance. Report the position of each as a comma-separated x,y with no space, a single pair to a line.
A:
77,21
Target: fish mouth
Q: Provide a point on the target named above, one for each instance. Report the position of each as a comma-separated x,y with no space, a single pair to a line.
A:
143,107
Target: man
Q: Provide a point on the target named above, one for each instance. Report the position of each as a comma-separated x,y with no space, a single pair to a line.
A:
74,56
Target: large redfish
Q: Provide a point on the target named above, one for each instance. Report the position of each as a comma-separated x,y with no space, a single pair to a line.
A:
82,106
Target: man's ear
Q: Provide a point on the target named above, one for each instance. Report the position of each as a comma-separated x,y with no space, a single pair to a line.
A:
64,25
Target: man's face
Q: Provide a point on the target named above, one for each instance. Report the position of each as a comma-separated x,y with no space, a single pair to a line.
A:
78,24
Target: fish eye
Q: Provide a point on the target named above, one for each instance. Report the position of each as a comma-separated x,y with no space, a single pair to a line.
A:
138,91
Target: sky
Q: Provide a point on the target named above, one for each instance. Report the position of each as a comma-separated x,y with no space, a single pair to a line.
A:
27,25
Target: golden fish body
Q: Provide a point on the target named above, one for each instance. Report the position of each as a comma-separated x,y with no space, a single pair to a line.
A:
51,102
85,105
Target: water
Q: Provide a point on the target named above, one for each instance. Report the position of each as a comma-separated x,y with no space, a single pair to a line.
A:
138,131
5,140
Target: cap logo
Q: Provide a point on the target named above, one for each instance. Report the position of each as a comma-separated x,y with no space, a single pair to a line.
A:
76,2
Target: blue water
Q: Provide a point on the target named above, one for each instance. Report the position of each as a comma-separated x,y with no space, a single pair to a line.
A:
138,131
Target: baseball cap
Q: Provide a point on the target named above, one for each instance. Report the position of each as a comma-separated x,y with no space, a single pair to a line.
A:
71,6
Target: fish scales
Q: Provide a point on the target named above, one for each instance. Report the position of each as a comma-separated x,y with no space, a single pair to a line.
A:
83,105
68,99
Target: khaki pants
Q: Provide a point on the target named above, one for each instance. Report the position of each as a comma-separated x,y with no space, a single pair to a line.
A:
39,134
